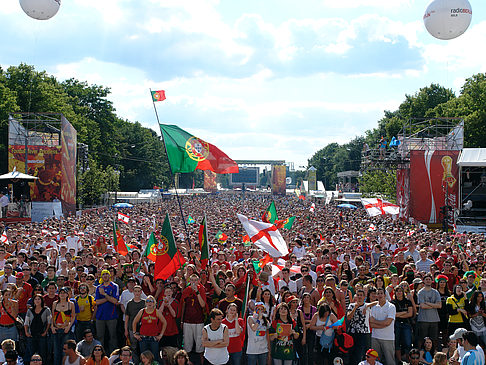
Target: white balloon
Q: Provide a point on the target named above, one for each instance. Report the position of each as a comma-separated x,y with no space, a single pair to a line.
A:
447,19
40,9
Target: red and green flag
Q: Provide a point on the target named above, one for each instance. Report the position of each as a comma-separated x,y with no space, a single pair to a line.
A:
246,240
118,241
203,244
285,223
270,215
168,259
158,95
151,249
221,237
259,265
187,153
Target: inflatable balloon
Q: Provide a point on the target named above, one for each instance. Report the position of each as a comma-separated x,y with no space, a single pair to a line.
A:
447,19
40,9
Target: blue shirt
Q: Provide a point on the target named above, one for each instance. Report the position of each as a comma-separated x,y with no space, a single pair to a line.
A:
472,357
107,310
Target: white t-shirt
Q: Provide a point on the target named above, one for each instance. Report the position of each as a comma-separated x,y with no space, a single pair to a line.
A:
380,313
291,284
73,242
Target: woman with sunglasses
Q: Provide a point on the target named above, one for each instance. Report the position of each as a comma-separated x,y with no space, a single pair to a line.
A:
63,319
36,359
150,331
98,357
37,322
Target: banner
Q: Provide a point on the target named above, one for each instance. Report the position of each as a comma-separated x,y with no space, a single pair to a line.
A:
210,181
433,176
312,179
279,173
43,162
68,186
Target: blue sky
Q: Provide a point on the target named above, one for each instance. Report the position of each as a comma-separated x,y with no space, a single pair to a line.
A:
261,79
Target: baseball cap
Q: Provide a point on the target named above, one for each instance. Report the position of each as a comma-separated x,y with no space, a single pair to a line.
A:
458,334
372,352
19,275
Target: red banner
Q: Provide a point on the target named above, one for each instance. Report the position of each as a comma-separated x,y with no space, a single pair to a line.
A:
433,176
68,188
403,192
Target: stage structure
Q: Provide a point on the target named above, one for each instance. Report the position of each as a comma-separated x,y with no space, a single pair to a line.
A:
44,145
424,157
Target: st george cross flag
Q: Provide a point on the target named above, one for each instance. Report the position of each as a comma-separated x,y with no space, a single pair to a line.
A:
4,238
265,236
375,206
123,218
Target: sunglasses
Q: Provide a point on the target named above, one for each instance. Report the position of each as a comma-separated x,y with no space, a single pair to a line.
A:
415,357
97,349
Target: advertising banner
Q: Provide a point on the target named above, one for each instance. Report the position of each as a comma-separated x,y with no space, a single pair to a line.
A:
68,187
279,173
434,175
210,181
403,193
43,162
312,178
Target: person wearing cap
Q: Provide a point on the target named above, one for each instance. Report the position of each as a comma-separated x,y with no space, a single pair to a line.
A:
106,297
460,351
371,358
24,293
429,302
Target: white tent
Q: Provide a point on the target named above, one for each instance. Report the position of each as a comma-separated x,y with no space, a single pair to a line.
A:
472,157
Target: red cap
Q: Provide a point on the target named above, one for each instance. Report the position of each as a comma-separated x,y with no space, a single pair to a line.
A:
19,275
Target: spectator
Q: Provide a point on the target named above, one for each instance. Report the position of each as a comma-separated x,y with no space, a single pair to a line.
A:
321,323
428,300
472,355
149,333
371,358
98,357
382,318
456,307
71,356
236,334
85,316
403,328
125,356
37,323
134,306
107,295
63,312
8,314
215,339
182,358
86,345
258,339
427,352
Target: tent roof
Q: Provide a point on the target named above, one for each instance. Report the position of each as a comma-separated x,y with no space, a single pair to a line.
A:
472,157
17,175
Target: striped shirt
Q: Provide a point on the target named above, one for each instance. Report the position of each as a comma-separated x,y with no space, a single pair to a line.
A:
473,357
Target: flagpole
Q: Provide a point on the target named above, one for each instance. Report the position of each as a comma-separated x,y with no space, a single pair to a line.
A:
172,176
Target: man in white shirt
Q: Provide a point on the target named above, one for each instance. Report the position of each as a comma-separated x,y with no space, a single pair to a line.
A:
73,242
4,201
286,281
382,321
412,252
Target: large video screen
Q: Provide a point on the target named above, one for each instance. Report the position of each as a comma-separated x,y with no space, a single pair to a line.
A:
247,175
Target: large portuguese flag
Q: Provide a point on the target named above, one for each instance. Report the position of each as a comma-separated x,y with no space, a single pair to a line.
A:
187,153
168,259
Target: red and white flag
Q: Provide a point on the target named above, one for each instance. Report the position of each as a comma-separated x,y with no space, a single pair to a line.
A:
375,206
4,238
312,208
265,236
123,218
372,227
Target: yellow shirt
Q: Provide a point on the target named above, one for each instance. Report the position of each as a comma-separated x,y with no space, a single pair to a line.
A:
86,308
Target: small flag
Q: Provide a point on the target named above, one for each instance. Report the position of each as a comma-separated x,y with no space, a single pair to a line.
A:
246,240
118,241
285,223
312,208
372,227
221,237
301,197
158,95
123,218
270,215
190,220
4,238
247,293
258,265
376,206
338,323
203,244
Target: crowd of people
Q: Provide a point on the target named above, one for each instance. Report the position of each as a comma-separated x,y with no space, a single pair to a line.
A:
353,290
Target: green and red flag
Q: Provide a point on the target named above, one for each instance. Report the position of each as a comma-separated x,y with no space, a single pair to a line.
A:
118,241
151,249
246,240
270,215
221,237
158,95
203,244
285,223
168,259
187,153
258,265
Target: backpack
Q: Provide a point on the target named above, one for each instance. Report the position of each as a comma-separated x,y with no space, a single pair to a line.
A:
326,340
343,341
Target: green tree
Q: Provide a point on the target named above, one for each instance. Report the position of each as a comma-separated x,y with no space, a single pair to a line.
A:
379,182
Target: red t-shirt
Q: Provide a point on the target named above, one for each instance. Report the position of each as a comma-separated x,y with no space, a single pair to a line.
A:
193,312
50,301
26,294
149,324
171,328
235,342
